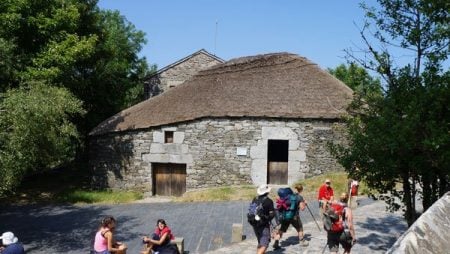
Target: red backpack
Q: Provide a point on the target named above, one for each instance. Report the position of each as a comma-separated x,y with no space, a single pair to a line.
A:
334,218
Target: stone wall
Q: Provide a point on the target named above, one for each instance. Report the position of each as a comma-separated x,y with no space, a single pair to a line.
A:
216,152
429,233
178,74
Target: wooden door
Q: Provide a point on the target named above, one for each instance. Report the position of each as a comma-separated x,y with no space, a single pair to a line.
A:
277,161
178,179
169,179
277,172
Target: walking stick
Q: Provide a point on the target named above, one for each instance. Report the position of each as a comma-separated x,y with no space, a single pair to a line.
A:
324,247
307,206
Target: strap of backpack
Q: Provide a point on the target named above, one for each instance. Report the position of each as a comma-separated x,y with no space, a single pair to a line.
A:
293,200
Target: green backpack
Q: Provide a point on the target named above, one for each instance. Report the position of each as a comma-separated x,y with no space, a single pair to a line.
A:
288,207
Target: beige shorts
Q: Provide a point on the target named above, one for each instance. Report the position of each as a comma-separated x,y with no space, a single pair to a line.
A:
353,202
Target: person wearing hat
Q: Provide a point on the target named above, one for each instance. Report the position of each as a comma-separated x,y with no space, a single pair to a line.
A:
325,196
262,230
11,244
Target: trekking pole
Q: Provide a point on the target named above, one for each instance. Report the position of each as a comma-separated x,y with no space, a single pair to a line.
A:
307,206
324,248
349,195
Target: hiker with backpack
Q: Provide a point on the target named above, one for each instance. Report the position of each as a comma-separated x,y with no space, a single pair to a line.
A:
338,222
260,213
289,205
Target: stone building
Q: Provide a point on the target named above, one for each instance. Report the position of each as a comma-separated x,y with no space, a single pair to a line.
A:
251,120
178,72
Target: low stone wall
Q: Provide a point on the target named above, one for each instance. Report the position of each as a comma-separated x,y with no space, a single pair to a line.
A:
216,151
429,234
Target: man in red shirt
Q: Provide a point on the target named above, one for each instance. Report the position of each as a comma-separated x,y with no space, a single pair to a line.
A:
326,194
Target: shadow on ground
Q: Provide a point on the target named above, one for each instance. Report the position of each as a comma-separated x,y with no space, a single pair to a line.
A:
387,231
58,229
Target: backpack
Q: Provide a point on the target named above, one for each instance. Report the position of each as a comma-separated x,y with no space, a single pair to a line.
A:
333,218
287,204
255,215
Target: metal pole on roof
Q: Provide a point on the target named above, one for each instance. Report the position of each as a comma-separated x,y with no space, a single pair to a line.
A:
215,37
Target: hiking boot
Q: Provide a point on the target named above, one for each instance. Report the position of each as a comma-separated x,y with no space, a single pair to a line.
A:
303,242
276,245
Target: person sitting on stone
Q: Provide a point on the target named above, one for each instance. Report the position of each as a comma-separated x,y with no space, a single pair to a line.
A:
11,244
160,241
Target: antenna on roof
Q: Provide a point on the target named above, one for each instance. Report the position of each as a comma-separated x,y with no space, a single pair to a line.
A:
215,37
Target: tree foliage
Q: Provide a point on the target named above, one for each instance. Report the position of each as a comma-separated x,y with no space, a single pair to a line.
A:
403,136
35,131
71,47
357,78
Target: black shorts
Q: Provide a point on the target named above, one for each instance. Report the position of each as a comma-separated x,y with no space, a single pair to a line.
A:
295,222
334,239
262,235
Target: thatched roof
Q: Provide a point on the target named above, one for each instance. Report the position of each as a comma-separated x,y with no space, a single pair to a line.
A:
280,85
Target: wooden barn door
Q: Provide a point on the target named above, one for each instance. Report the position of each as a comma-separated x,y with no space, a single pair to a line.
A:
169,179
277,161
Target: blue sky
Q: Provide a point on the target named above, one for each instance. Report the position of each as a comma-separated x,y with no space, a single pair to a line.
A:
319,30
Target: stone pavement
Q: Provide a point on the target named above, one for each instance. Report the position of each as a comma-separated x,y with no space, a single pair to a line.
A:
376,231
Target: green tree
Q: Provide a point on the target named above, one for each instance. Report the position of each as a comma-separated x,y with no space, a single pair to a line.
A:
70,45
357,78
74,44
35,131
403,137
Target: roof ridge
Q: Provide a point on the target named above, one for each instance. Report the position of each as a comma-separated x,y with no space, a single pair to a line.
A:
223,68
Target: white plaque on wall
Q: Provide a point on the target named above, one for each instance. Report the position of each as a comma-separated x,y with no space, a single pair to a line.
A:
241,151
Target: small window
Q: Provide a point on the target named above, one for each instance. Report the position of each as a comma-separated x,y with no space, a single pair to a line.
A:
168,137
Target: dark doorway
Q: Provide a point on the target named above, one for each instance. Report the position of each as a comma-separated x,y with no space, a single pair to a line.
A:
277,161
169,179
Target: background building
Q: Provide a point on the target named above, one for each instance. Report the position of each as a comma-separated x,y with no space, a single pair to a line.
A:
178,72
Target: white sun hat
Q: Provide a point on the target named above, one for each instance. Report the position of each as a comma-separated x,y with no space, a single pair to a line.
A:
263,189
8,238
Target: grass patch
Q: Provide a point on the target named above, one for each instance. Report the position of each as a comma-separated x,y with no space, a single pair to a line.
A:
339,181
104,197
228,193
248,192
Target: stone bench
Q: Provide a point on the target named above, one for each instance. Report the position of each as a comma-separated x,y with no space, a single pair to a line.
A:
236,233
179,242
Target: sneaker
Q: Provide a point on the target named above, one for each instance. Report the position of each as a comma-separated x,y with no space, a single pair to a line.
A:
276,245
303,242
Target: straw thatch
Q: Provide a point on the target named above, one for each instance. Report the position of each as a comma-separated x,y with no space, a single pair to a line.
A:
280,85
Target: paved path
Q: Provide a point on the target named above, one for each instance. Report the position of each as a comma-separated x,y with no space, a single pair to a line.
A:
70,228
376,231
205,226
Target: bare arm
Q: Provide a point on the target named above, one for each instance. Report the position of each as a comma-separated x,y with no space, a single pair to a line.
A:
110,239
112,245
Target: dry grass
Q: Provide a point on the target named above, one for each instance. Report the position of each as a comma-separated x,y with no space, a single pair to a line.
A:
312,185
230,193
